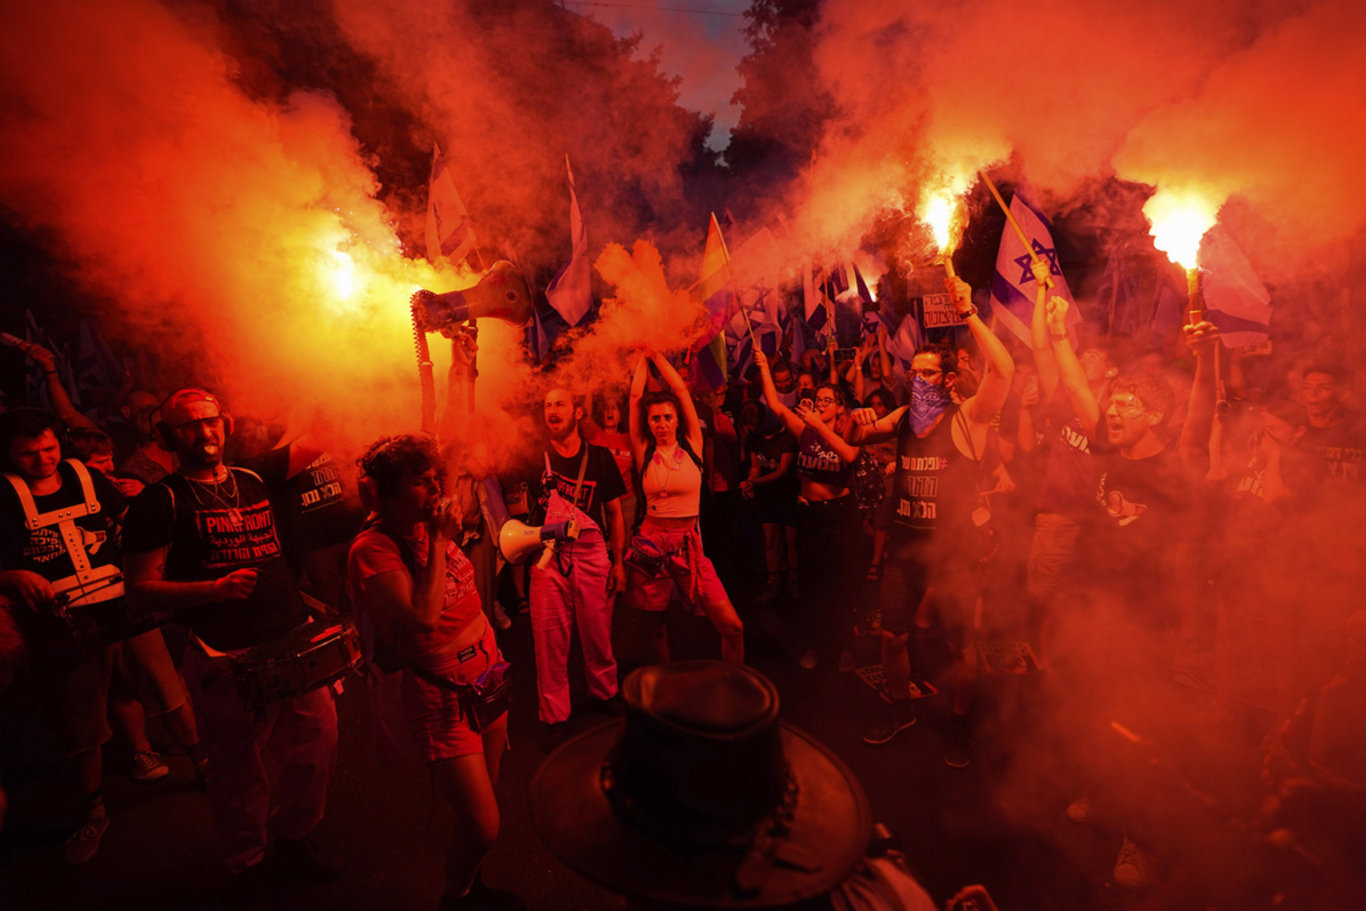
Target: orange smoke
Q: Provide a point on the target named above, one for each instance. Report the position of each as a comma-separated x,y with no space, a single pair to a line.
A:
1263,103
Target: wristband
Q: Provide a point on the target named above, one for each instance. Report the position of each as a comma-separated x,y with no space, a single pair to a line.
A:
1058,337
49,372
968,314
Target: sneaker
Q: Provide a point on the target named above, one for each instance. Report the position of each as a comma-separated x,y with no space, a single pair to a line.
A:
148,766
847,663
898,718
501,620
810,658
82,845
957,745
1133,867
302,859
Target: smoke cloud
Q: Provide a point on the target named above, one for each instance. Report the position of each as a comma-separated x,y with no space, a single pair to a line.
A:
1263,104
239,239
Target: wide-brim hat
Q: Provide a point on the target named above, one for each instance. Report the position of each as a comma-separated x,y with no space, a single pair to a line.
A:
701,797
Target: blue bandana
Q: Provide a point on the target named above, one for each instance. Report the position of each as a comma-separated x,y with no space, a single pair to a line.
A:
928,402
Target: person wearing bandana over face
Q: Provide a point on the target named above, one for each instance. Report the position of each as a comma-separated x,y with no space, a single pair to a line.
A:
930,545
203,542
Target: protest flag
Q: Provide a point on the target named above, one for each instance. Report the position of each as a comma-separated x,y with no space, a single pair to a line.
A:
571,292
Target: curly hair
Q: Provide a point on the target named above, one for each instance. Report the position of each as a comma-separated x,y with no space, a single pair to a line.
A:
881,395
389,459
1149,388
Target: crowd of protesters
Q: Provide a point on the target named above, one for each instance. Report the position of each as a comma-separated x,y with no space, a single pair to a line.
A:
1128,522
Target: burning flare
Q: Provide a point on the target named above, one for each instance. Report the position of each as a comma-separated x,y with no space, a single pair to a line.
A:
939,213
1179,221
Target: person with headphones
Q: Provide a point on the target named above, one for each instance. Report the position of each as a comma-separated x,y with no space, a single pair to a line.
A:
203,542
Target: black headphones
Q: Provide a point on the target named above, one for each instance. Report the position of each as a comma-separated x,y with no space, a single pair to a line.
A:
180,396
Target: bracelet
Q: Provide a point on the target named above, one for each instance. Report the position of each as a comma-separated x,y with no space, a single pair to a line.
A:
1058,337
49,372
968,314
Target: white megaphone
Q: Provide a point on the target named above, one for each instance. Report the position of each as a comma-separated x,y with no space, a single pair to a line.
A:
518,541
501,293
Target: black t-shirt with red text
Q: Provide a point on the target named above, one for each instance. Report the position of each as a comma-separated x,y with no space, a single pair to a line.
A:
602,482
211,530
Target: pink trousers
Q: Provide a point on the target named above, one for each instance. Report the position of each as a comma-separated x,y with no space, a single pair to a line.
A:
300,736
572,591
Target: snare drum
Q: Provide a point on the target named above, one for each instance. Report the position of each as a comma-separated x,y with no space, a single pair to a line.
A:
312,657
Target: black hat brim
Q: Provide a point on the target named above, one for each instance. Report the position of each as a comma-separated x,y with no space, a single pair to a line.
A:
829,830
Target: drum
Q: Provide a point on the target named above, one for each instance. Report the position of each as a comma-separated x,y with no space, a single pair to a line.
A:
315,656
91,615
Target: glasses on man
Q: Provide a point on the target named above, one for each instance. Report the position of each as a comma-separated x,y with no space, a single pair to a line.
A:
1126,404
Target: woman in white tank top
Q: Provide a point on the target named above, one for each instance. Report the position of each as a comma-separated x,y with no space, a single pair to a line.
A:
666,554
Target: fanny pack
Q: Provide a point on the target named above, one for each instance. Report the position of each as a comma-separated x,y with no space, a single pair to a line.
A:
485,700
645,556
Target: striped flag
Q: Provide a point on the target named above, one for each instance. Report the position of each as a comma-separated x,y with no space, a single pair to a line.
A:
716,290
1235,299
450,233
571,292
1012,287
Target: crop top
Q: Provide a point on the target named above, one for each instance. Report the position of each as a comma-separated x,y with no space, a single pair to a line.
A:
818,461
672,484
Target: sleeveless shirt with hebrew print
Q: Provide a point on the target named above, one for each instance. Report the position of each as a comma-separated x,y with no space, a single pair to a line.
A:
933,489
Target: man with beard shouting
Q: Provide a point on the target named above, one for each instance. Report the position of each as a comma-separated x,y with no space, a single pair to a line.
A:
580,482
203,541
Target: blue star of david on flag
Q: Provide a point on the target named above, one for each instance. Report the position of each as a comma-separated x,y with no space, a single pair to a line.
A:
1050,254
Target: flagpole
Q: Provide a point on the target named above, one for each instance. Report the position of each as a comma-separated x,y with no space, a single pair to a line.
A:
1010,217
734,288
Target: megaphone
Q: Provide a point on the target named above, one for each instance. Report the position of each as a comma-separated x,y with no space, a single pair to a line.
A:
518,541
501,293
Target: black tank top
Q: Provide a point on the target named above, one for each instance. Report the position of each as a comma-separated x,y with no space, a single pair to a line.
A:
933,489
818,461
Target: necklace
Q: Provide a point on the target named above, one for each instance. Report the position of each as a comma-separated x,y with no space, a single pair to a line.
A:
668,463
216,495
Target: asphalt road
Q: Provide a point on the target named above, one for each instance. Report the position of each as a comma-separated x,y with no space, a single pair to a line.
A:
390,825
